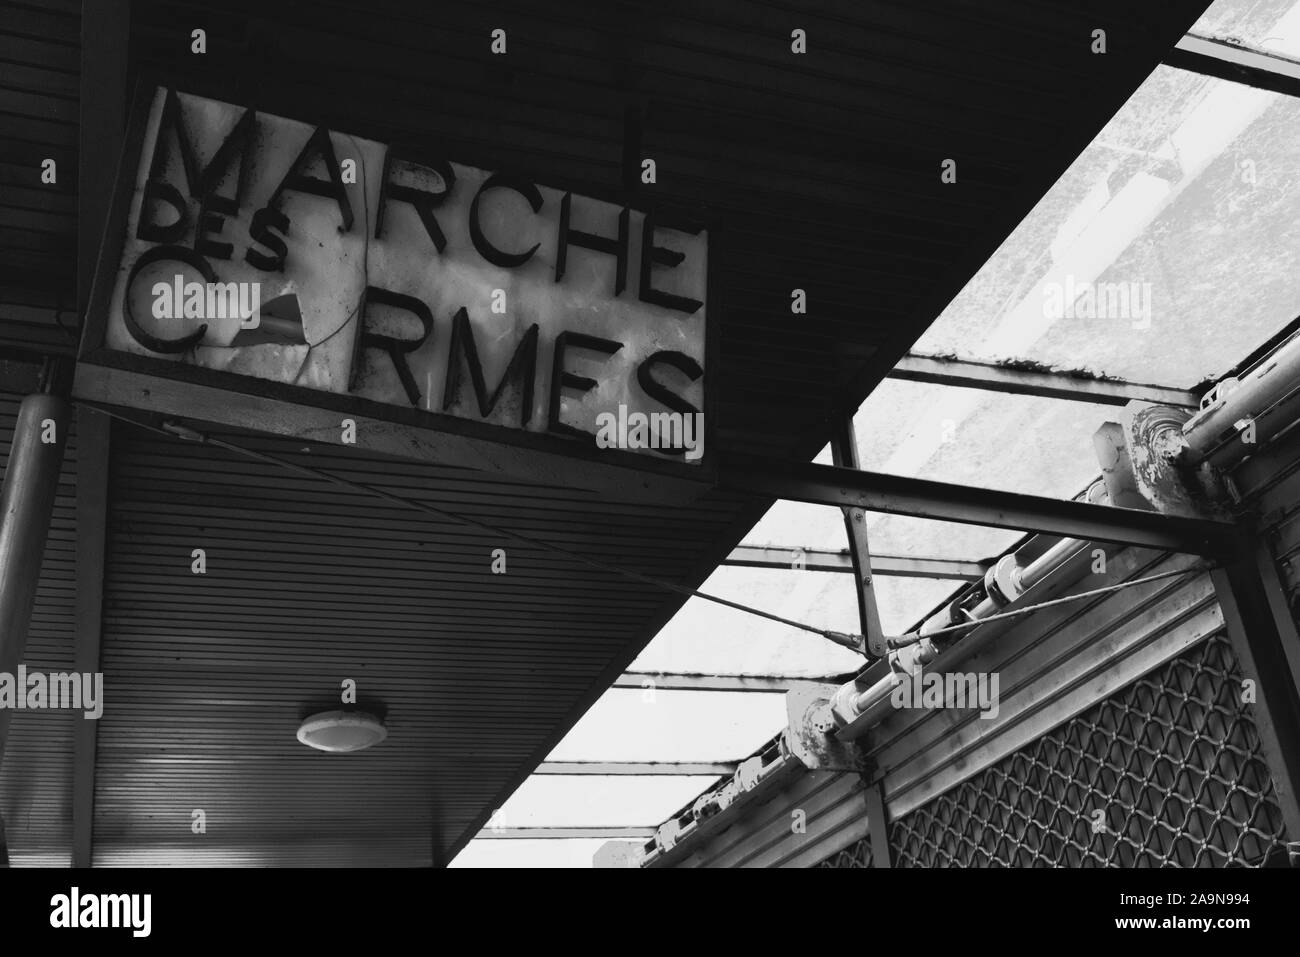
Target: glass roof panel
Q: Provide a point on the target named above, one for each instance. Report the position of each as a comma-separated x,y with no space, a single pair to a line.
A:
598,800
791,524
708,638
528,853
1012,443
634,724
924,538
1166,252
1263,24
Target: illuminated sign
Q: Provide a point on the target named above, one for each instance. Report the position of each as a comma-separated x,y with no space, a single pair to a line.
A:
266,273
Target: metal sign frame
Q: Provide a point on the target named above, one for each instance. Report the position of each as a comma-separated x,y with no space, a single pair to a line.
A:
115,378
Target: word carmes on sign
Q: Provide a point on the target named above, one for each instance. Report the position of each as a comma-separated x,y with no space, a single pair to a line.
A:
432,286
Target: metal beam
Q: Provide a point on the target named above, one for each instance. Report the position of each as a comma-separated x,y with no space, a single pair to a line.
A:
105,39
1260,628
564,833
93,430
844,454
105,35
1275,593
878,824
665,681
30,337
19,377
1228,61
1078,387
942,501
639,768
828,560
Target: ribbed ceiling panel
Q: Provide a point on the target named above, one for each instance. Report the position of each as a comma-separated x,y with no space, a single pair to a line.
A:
307,585
39,61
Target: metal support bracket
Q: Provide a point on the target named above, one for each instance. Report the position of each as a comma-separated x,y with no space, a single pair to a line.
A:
810,731
844,454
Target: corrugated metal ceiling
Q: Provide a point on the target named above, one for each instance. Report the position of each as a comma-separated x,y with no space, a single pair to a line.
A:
39,76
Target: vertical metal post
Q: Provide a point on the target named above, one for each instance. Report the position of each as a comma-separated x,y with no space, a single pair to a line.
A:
26,503
878,824
93,434
105,43
1258,638
844,454
1279,608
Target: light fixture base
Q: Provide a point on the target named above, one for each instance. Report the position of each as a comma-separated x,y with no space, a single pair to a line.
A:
341,732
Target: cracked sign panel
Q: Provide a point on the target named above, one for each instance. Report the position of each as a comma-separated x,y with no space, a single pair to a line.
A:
265,273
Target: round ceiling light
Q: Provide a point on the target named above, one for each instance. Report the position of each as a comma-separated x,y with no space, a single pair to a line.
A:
342,731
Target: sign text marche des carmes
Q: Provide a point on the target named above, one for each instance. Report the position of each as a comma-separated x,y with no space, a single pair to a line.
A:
293,254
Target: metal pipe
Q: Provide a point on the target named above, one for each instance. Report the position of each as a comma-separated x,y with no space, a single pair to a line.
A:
31,482
879,691
751,775
1209,435
1232,400
1006,581
1053,558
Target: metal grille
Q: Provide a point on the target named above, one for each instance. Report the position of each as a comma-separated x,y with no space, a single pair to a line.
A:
856,855
1165,772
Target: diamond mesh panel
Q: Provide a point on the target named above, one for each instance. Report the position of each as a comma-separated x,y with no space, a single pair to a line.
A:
1165,772
857,854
